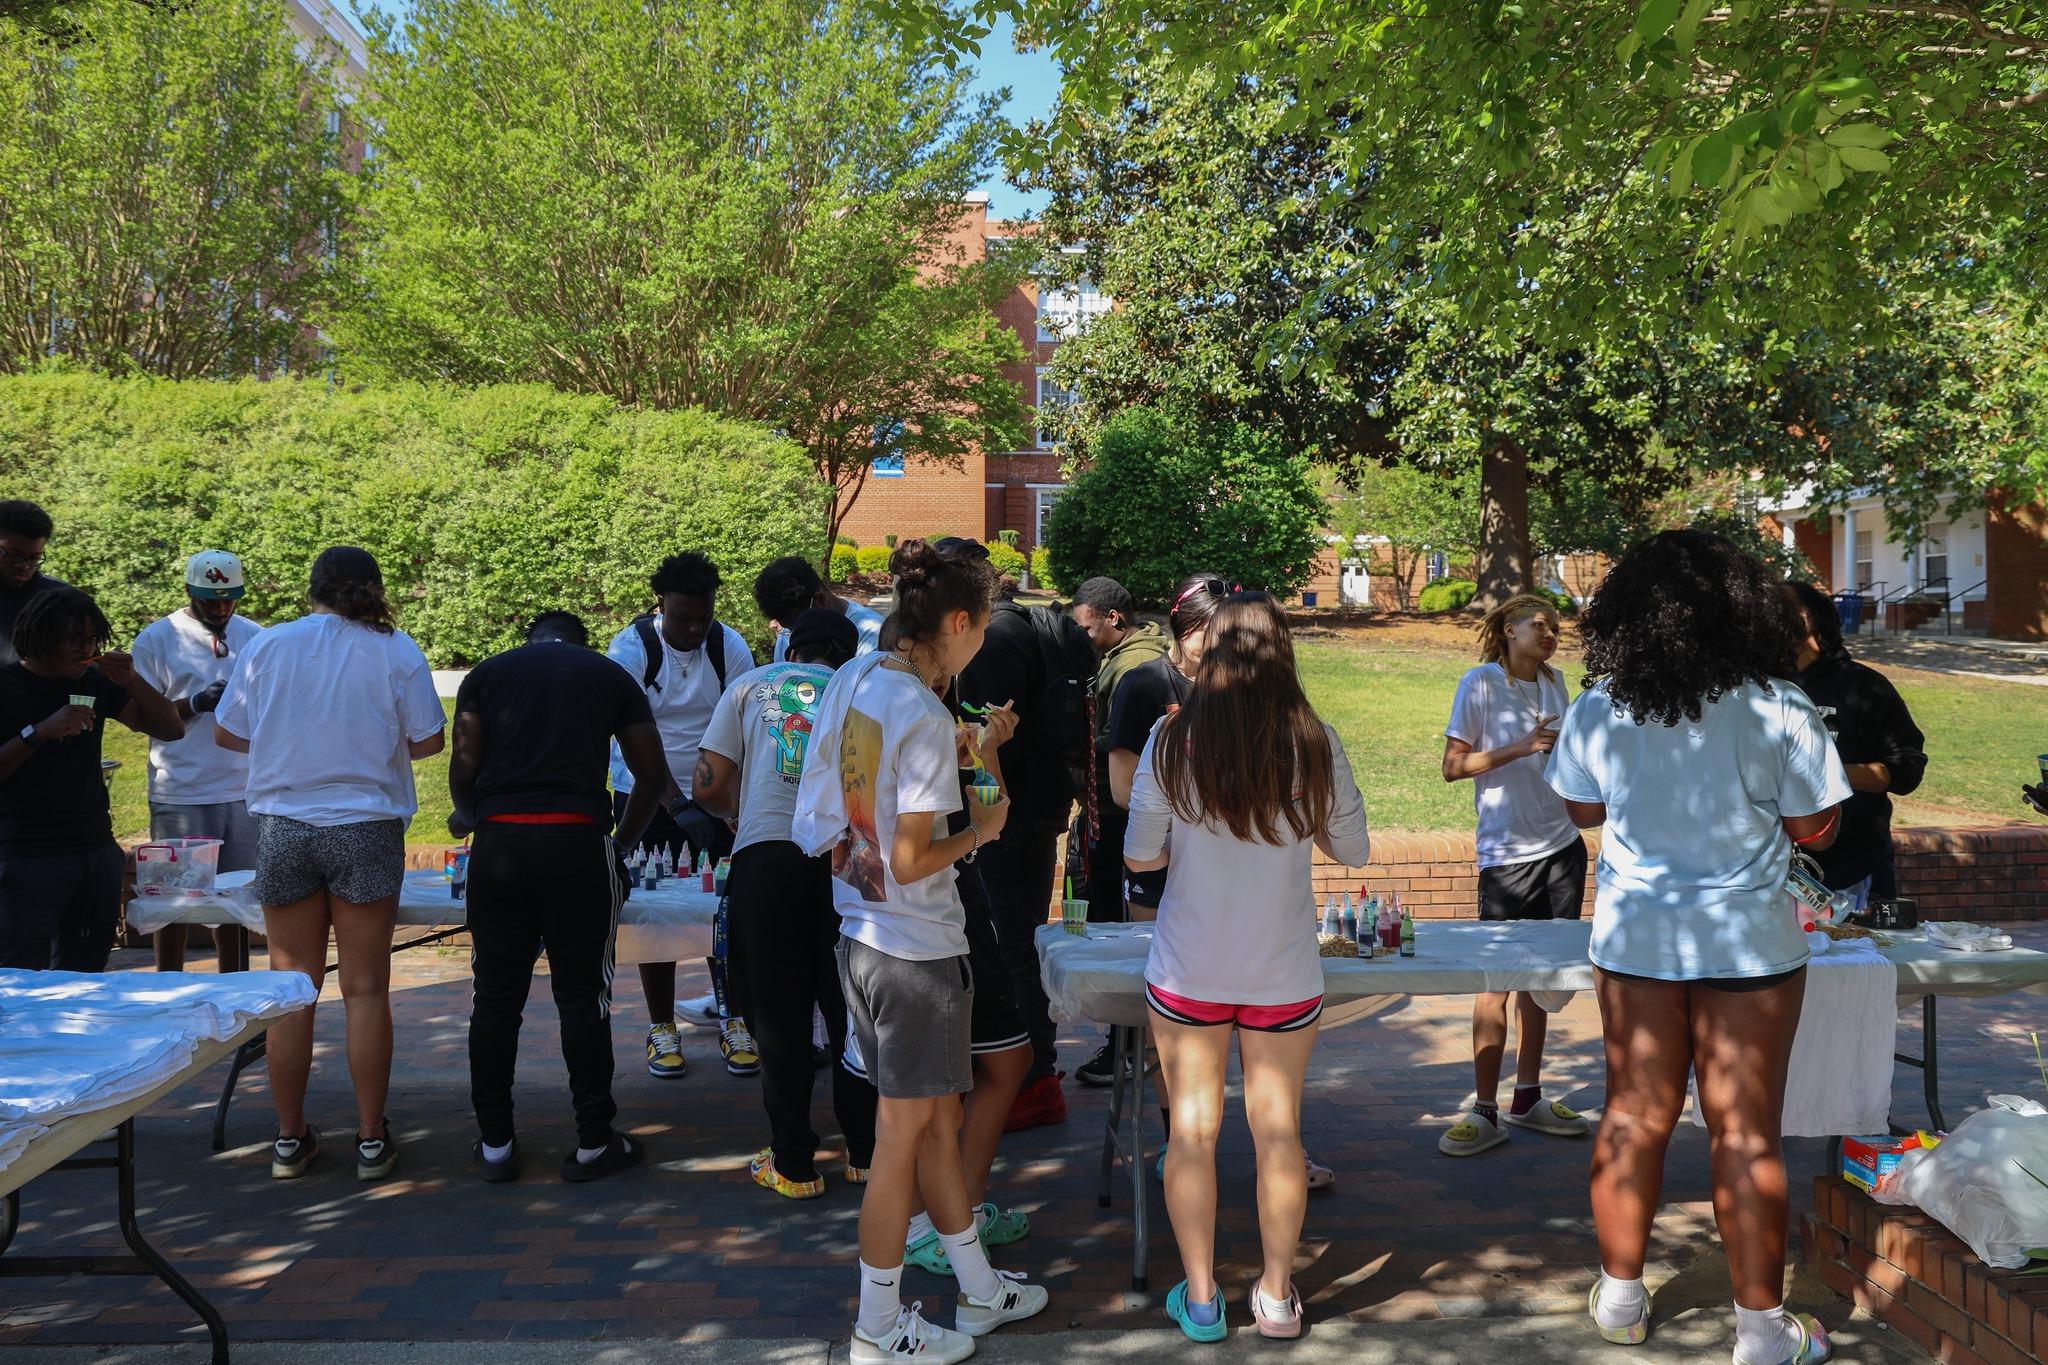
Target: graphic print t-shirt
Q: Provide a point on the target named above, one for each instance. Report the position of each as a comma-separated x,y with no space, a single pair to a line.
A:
763,724
896,758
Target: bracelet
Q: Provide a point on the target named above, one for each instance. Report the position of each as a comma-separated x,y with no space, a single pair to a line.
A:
976,834
1821,833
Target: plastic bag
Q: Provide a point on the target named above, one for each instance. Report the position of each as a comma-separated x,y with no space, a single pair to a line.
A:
1980,1182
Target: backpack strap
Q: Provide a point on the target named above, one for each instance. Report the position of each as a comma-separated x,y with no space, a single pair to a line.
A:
650,645
714,648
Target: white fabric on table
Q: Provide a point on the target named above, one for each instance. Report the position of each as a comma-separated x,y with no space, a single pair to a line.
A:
208,1005
15,1136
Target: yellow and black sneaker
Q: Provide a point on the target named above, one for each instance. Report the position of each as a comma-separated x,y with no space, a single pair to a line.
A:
737,1046
664,1052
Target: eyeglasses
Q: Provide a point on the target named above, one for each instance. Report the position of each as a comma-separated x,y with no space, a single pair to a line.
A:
17,557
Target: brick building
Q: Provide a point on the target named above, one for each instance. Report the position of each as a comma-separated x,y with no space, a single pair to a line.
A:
987,492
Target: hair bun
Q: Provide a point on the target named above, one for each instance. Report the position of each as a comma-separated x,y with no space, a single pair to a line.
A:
913,561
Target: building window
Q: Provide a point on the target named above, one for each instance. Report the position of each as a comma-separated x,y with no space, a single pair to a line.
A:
1045,498
1069,309
888,461
1866,542
1050,398
1934,557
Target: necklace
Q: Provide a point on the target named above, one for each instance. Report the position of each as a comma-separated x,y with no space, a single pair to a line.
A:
1532,697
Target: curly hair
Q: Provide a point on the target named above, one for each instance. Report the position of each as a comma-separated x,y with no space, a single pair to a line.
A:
347,581
51,622
786,588
1684,618
931,585
1494,626
688,574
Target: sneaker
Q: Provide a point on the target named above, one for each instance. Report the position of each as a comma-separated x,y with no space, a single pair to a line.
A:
1099,1069
737,1047
1281,1326
768,1178
1039,1103
1177,1309
1629,1334
376,1157
856,1175
1550,1117
619,1153
290,1156
1471,1135
1320,1177
1000,1227
1015,1301
496,1172
913,1339
664,1052
699,1013
1812,1349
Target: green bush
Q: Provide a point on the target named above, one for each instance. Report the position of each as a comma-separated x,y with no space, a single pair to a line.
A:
844,539
1007,558
873,558
1447,594
1009,536
845,562
1166,494
1041,570
1561,600
484,506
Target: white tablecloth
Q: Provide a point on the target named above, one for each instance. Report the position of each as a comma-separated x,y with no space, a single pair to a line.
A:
671,923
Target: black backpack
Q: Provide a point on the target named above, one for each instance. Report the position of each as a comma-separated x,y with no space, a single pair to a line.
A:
714,648
1067,662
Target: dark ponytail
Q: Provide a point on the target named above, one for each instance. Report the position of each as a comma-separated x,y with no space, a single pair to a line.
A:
931,585
347,582
1194,602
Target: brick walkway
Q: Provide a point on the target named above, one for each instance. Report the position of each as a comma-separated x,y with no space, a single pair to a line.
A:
688,1247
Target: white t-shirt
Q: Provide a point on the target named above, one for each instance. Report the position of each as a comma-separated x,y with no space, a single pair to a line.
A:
1520,817
1237,921
328,707
867,623
763,724
1693,858
896,757
685,693
176,656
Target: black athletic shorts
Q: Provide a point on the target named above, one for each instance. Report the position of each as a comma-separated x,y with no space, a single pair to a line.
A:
998,1024
1550,887
1732,985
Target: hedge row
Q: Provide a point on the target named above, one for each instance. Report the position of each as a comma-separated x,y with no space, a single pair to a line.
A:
484,506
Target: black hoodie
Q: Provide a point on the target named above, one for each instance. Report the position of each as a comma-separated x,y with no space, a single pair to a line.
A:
1870,724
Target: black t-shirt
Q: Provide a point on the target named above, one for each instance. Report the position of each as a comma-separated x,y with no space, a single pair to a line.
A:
1143,695
56,801
11,603
1870,724
550,711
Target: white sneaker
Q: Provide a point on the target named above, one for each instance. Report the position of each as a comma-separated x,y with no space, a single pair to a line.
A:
701,1012
914,1339
1014,1302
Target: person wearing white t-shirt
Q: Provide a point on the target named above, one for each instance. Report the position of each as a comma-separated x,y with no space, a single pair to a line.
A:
790,586
196,788
881,775
1532,861
333,709
1704,767
1234,792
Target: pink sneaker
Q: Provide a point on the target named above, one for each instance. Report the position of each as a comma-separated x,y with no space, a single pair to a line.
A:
1280,1326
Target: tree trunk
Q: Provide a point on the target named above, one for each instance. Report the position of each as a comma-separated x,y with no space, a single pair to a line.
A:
1506,566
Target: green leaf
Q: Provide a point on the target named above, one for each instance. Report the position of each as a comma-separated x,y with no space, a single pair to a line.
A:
1865,159
1711,158
1682,169
1627,48
1688,26
1860,135
1745,129
1849,87
1654,19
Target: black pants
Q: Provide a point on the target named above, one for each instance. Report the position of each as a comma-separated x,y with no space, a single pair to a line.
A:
534,887
781,929
58,909
1106,866
1017,870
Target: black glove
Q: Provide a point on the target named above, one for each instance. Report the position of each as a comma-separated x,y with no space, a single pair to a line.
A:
208,697
2037,797
706,832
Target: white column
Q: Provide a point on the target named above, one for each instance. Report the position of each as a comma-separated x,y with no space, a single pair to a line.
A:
1845,580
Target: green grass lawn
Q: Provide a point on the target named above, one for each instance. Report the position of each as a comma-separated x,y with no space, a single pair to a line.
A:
1389,704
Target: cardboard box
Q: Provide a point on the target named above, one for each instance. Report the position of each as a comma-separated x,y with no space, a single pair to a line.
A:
1868,1162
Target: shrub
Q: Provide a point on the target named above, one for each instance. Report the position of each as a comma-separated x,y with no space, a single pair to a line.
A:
873,558
1009,537
890,540
1041,570
845,563
1561,600
1447,594
1006,558
848,541
1165,494
484,506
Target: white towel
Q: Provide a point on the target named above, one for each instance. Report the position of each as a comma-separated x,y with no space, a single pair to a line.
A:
820,820
1841,1076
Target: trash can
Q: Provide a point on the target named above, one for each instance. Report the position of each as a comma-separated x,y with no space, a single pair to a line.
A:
1308,599
1849,608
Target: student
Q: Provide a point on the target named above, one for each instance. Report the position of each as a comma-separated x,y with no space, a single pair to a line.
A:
1104,609
783,925
197,788
1881,749
1532,862
24,538
1705,770
533,730
682,656
881,772
60,869
333,709
790,586
1233,793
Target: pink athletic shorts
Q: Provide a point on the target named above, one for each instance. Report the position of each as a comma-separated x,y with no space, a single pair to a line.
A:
1253,1018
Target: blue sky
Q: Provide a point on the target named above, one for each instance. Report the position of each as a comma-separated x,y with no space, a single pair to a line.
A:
1033,80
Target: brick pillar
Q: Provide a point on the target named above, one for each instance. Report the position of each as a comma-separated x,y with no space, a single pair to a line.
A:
2016,565
1814,537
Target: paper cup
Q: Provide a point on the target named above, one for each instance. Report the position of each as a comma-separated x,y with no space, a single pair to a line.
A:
2043,761
1074,916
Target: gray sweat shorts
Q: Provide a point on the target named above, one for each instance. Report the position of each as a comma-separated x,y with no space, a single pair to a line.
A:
914,1021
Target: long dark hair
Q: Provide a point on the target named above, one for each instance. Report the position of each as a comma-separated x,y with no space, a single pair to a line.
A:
931,585
347,582
1195,600
1823,619
1684,618
1246,749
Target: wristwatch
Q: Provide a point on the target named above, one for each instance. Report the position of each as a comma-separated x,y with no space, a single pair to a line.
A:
28,737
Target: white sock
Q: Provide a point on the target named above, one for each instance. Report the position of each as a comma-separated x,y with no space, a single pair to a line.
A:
586,1155
1620,1302
1272,1307
920,1228
1764,1335
497,1153
970,1264
880,1301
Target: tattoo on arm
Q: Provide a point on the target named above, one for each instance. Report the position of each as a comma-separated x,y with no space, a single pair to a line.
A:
702,777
